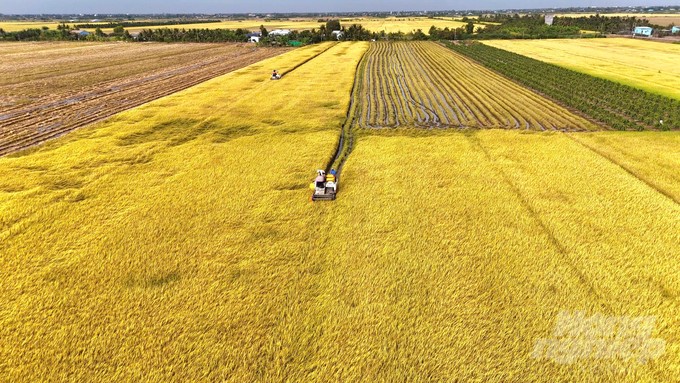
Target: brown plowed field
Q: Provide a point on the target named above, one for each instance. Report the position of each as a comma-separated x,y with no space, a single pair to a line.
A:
49,89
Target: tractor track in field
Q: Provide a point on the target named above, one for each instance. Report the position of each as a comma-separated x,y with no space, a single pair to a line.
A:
346,139
561,249
27,126
587,282
625,168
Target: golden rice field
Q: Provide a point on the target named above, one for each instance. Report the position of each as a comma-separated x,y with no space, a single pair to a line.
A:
176,242
426,84
648,65
650,156
388,25
15,26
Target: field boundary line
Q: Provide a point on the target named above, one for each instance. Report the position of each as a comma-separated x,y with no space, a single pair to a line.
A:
628,170
305,61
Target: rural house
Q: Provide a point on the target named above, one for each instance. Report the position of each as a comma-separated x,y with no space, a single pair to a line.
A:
80,34
643,31
254,37
549,18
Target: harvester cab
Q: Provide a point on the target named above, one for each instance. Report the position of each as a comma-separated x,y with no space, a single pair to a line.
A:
325,186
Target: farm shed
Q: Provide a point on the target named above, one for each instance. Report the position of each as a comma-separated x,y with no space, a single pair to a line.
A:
80,34
643,31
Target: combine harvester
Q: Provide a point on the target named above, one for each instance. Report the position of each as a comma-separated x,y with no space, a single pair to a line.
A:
325,186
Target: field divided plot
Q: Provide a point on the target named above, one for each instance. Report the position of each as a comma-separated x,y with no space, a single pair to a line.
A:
48,89
618,106
648,65
423,84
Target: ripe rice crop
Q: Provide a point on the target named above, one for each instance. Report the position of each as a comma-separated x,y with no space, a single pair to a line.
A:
176,242
382,24
652,157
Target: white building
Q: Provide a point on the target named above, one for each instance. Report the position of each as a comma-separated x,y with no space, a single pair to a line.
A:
549,19
643,31
337,34
279,32
254,37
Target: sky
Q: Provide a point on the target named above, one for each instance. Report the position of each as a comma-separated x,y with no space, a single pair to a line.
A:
274,6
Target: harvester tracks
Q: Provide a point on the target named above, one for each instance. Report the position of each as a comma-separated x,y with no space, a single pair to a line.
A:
346,139
420,84
524,200
625,168
24,127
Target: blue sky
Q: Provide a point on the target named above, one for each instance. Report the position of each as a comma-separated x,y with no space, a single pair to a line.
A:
242,6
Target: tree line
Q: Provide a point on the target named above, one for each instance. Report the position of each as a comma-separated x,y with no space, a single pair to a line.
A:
496,27
170,35
603,24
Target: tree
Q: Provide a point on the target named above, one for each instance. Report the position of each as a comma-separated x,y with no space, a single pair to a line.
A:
332,25
118,30
433,32
469,28
356,32
419,35
263,31
98,32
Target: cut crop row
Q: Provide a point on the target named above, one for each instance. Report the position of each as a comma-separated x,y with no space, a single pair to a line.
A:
423,84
